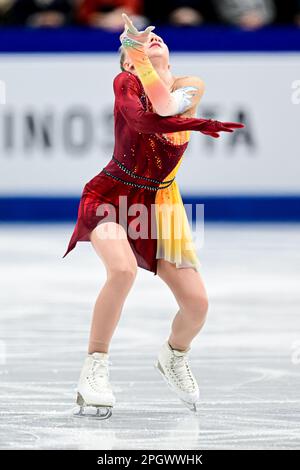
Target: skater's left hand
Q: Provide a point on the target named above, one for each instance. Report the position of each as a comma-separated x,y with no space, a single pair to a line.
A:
132,33
213,127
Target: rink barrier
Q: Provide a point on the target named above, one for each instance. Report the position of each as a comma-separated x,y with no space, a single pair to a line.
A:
204,38
216,208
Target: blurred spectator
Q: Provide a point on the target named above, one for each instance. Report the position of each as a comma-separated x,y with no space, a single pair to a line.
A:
180,12
107,13
5,6
186,13
297,13
248,14
37,13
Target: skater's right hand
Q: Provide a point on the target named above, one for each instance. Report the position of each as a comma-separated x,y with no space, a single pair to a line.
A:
212,127
131,31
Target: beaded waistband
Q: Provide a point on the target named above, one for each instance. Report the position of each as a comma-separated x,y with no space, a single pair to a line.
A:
134,175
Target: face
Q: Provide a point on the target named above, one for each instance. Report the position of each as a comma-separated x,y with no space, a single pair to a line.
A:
155,48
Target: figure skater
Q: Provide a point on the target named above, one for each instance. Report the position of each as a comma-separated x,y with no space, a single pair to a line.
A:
154,113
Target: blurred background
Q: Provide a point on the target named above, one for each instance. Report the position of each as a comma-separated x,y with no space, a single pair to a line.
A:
58,59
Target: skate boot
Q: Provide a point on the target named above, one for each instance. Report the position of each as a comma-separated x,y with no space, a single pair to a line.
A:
173,366
94,393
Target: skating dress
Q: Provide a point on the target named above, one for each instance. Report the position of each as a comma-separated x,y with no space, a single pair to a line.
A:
137,188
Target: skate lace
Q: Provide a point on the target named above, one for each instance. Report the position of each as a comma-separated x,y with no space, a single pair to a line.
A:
182,373
99,374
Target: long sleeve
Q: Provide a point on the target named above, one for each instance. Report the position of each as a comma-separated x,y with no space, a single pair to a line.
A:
127,100
161,98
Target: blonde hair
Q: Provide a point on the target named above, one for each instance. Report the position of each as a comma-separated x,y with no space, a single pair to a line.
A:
122,58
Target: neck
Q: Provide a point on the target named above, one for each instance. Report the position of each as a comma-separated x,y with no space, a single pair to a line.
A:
163,71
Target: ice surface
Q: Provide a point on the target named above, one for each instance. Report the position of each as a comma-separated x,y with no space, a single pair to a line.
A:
246,358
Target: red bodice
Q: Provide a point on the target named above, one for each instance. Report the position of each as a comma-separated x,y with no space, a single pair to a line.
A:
140,145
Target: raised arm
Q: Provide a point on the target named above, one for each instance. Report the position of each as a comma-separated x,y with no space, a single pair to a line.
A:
165,103
126,89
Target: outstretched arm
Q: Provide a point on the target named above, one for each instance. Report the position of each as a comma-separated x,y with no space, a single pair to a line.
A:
165,103
127,100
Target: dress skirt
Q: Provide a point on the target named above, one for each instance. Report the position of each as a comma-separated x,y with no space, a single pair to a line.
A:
155,221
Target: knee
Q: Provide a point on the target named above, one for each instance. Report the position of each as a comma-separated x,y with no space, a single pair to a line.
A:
196,307
124,275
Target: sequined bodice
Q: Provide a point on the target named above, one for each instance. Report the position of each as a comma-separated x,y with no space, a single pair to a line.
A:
153,155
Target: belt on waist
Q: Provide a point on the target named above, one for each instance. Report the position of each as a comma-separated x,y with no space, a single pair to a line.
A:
134,175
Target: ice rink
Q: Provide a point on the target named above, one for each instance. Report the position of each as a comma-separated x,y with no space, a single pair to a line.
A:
246,358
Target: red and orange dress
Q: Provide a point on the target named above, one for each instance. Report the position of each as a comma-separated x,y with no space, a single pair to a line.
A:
137,187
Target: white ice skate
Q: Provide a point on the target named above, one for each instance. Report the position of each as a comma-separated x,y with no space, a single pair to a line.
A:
173,366
94,393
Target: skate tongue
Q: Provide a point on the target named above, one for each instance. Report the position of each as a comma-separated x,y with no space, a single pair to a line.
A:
98,355
176,352
180,353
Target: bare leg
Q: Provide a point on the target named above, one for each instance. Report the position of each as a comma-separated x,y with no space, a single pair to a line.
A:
121,269
189,291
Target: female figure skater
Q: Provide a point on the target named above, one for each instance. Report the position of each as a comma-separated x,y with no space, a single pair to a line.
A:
153,118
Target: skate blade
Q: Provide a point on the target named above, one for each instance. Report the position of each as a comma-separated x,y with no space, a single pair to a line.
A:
99,412
83,410
191,406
